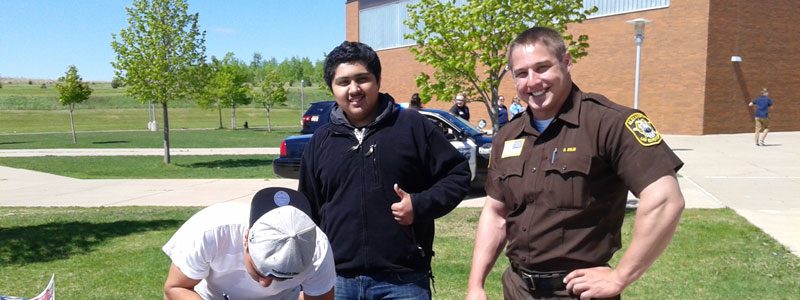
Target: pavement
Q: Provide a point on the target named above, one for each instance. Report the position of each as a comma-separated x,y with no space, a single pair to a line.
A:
760,183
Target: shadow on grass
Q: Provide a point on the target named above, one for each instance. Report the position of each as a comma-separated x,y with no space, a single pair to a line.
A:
229,163
53,241
12,143
112,142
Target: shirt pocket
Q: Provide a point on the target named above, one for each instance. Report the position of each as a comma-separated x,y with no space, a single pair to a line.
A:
510,176
567,181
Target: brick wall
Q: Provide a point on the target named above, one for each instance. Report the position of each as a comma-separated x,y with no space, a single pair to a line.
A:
688,84
764,35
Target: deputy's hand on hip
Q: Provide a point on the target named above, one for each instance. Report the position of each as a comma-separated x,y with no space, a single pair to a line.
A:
598,282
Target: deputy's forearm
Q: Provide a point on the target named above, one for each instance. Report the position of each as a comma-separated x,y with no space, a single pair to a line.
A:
660,207
489,241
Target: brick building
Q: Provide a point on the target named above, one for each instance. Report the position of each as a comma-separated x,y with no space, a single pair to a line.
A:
689,81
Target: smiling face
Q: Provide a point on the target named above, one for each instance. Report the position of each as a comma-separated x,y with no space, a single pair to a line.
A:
356,93
541,78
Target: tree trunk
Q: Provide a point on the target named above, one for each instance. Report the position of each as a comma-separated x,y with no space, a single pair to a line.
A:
167,159
72,123
269,126
219,110
494,111
233,116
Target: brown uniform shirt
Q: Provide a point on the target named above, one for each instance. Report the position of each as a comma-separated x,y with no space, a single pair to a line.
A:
565,189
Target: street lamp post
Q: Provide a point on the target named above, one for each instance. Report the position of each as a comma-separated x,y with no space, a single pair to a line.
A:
638,25
302,101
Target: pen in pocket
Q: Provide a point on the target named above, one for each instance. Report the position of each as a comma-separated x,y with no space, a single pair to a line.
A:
553,156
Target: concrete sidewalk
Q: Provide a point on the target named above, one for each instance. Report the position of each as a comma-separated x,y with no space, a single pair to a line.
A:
759,183
134,151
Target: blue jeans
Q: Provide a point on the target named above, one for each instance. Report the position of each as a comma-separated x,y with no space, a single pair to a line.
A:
398,286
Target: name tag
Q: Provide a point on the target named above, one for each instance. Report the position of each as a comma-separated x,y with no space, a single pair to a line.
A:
512,148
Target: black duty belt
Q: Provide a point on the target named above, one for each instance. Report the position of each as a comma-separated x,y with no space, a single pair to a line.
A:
542,281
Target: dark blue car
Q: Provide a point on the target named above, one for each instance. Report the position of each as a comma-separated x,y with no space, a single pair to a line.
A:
472,142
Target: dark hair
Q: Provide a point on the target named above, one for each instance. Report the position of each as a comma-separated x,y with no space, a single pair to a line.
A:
352,52
415,101
547,36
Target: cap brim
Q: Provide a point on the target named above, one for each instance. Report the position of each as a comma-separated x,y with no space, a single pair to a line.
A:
272,197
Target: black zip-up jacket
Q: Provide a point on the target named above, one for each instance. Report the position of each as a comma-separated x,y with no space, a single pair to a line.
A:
350,187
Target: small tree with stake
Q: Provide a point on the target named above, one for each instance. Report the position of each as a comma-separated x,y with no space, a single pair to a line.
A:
271,94
71,90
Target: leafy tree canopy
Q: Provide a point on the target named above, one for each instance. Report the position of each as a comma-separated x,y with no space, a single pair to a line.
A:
71,88
157,51
466,44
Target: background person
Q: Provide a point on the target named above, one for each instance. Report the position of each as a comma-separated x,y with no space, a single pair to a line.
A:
460,108
558,182
218,254
762,104
516,108
502,112
415,102
377,176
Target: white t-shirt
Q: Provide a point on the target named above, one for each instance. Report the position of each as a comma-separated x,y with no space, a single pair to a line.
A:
210,247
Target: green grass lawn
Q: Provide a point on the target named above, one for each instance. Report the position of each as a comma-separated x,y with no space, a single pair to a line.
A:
149,167
30,109
114,253
147,139
37,121
21,96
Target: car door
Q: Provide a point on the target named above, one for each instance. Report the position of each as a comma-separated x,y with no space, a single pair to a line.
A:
465,146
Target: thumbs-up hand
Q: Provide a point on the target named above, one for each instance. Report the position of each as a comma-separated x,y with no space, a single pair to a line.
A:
403,211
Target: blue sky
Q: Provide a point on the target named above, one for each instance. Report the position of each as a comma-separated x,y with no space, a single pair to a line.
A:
39,39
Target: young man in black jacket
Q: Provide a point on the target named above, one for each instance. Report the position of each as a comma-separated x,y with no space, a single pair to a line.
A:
377,176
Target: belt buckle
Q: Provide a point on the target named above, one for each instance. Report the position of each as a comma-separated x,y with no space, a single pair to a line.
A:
542,281
529,280
548,282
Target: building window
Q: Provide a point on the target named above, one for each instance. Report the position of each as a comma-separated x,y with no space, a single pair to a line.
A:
381,22
382,27
616,7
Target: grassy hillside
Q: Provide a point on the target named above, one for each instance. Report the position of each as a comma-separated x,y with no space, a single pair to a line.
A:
28,108
22,96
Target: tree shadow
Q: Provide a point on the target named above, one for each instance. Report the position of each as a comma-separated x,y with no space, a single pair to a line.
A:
111,142
230,163
53,241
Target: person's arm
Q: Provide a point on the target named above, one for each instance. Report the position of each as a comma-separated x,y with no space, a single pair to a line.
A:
326,296
660,207
450,175
489,241
179,286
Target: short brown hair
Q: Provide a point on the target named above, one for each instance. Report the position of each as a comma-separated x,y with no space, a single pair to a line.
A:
545,35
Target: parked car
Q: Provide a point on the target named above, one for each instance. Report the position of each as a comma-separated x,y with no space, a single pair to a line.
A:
316,115
469,140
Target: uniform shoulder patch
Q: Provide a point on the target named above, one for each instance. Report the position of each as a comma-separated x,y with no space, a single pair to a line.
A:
642,129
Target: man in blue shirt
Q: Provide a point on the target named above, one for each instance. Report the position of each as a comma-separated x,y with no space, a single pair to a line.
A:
762,104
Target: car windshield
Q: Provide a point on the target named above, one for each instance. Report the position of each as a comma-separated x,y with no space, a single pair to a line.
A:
464,124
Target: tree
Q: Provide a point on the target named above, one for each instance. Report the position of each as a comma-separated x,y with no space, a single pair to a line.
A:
158,54
227,86
271,94
466,44
71,90
116,82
